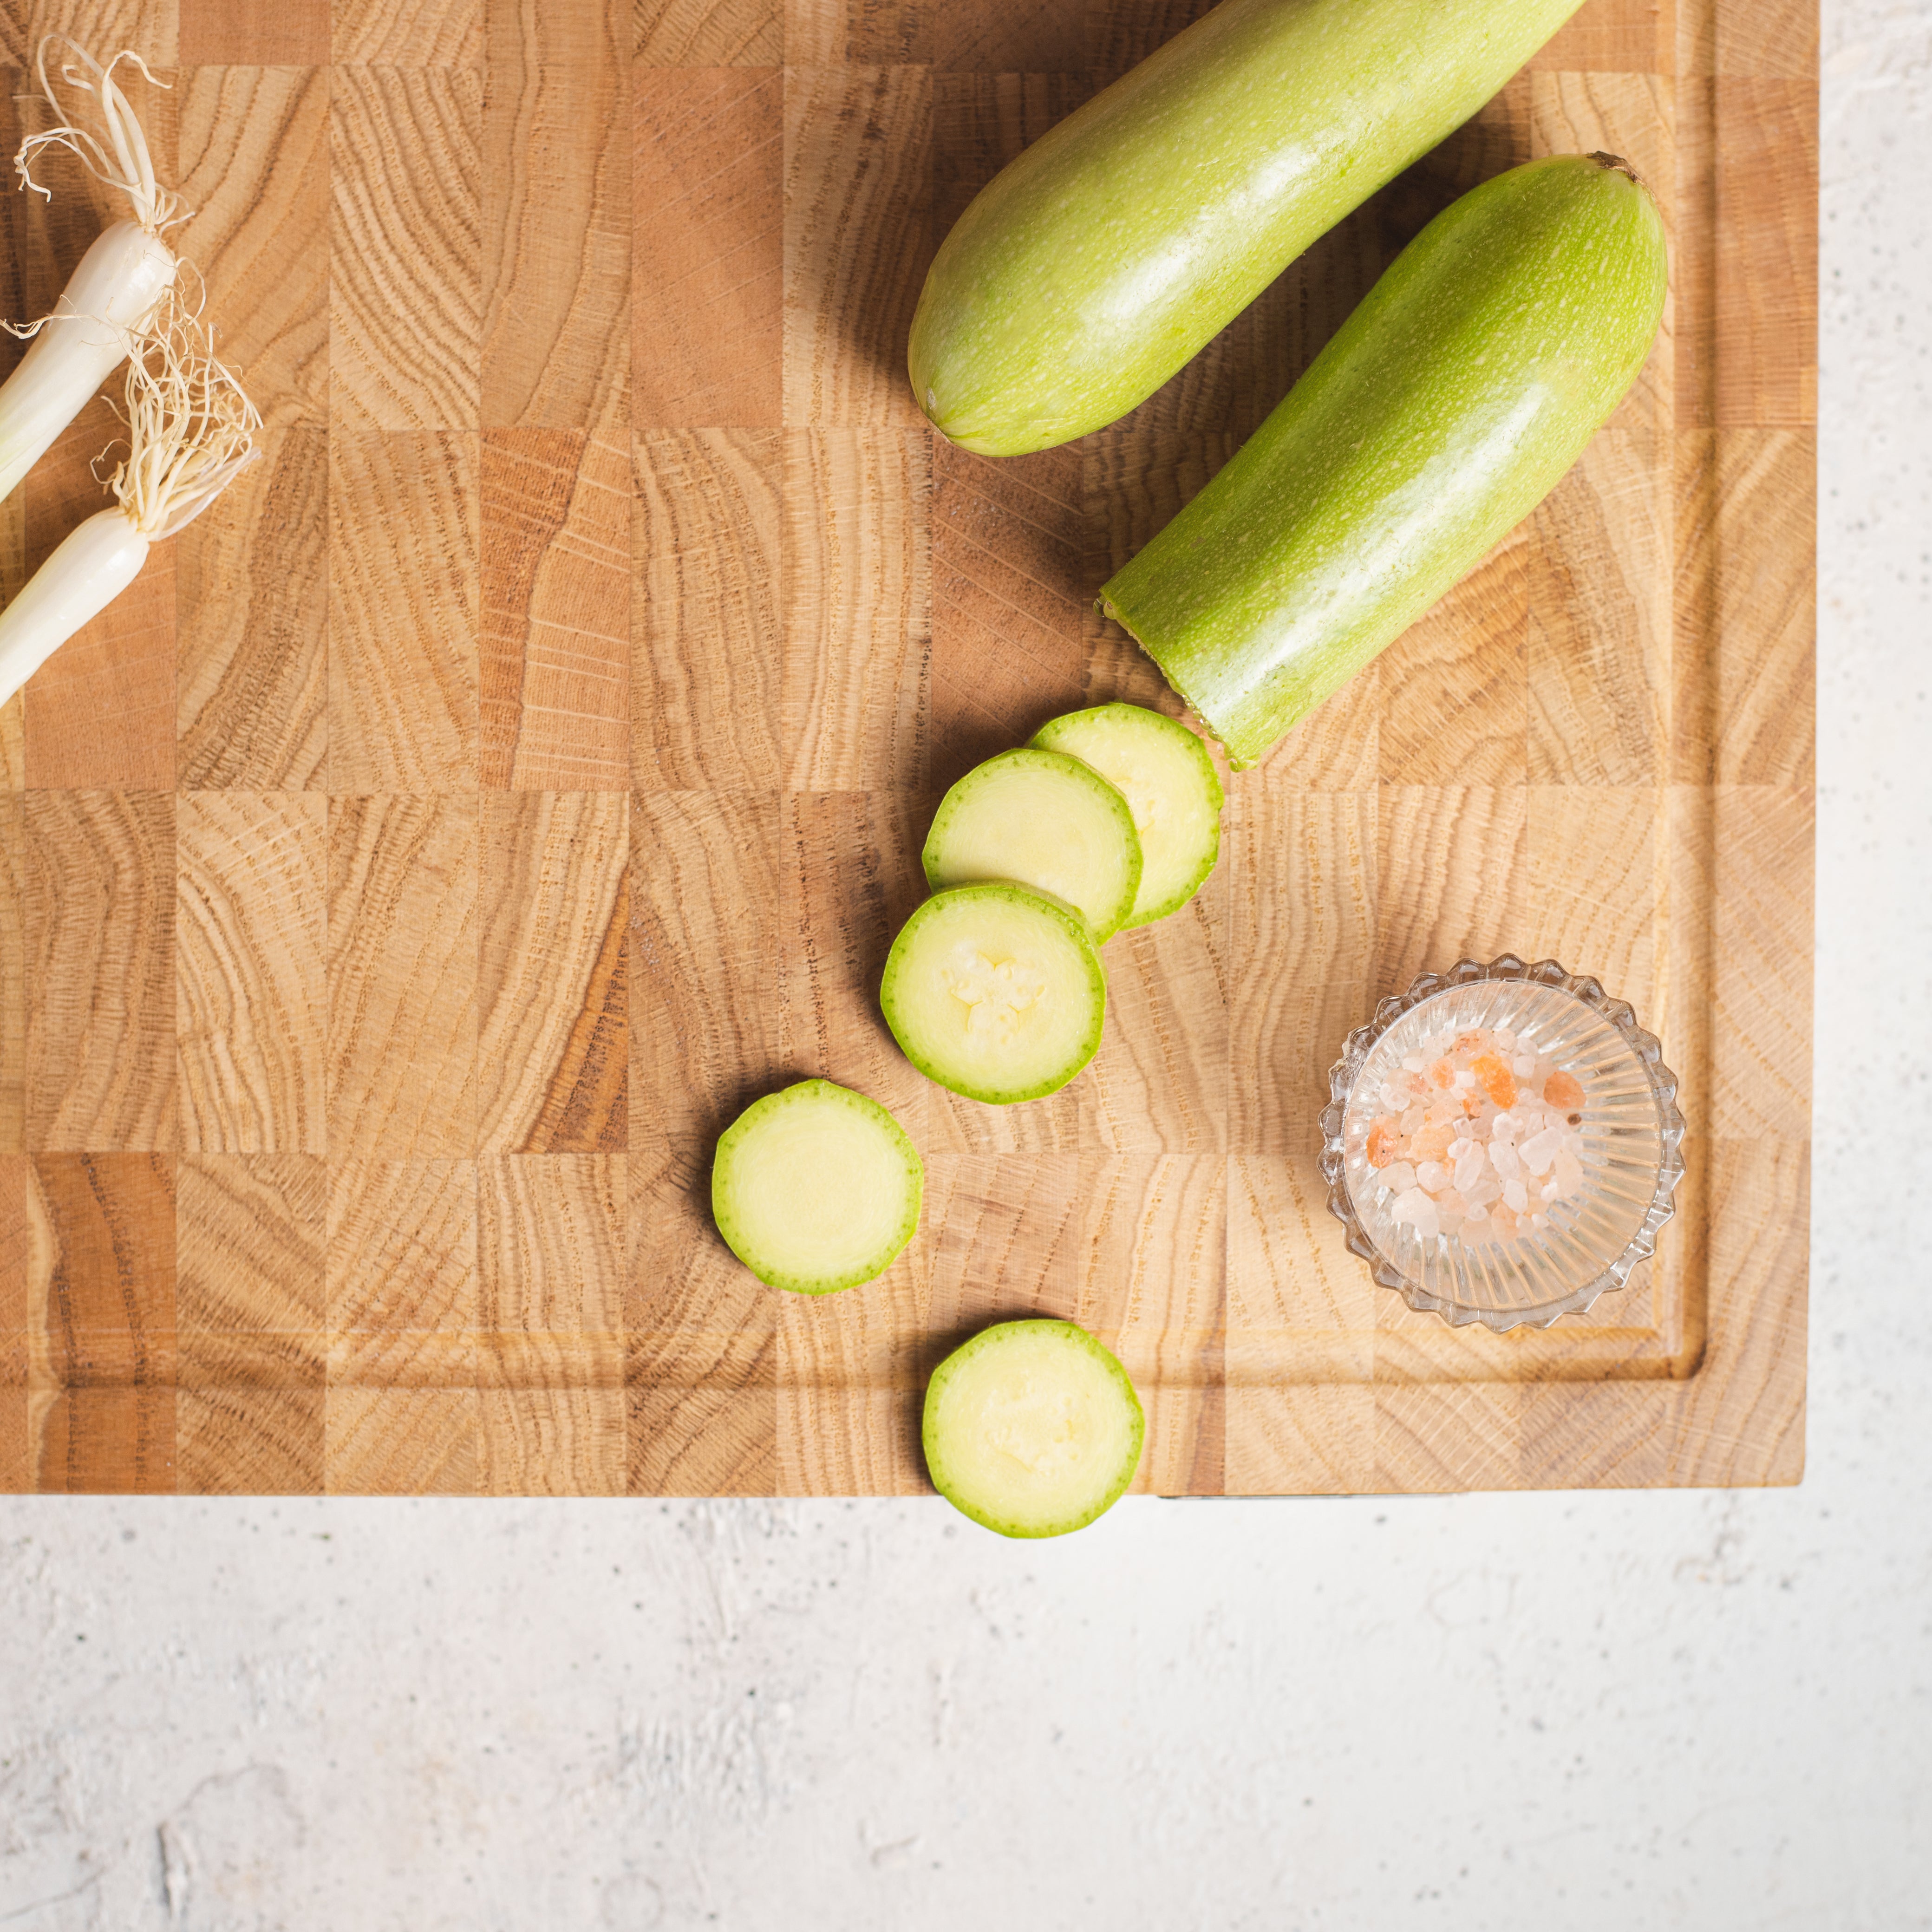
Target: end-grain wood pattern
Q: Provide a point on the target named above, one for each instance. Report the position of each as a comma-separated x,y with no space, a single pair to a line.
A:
524,766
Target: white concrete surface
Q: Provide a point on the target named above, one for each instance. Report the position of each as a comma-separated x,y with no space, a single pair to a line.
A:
1702,1710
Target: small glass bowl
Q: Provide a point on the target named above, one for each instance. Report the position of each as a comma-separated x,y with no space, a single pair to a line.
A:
1632,1153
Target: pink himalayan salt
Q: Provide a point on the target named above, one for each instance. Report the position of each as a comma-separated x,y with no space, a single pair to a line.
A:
1479,1138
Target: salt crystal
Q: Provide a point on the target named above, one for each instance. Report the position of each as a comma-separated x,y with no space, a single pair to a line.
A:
1506,1127
1477,1212
1538,1151
1504,1158
1487,1188
1412,1121
1415,1208
1469,1167
1450,1202
1568,1174
1466,1079
1413,1063
1517,1195
1551,1191
1523,1065
1399,1177
1393,1098
1433,1175
1539,1220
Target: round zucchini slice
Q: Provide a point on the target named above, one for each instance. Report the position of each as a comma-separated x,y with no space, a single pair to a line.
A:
995,992
816,1188
1164,772
1032,1428
1044,819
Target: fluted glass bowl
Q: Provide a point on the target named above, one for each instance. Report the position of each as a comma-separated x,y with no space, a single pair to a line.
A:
1631,1131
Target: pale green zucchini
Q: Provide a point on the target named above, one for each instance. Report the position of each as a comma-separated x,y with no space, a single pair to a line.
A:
1102,258
1443,411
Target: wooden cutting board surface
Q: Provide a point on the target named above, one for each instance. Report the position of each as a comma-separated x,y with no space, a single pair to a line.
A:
524,767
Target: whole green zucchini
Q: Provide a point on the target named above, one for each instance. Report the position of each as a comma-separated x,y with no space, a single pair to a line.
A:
1439,416
1087,271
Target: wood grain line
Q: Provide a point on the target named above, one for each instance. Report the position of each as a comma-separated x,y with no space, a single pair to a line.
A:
555,619
858,236
252,874
101,960
553,1042
13,998
706,664
430,33
708,33
252,599
405,261
707,295
858,589
556,219
402,926
403,612
255,168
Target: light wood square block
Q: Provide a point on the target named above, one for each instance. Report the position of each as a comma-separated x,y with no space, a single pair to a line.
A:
251,960
555,634
405,259
251,677
555,350
552,991
403,969
706,683
706,183
857,556
858,236
100,948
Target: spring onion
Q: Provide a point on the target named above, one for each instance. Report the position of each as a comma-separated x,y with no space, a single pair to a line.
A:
190,432
121,278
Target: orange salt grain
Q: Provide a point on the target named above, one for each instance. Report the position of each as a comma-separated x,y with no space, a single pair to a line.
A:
1442,1073
1498,1081
1382,1143
1561,1091
1432,1143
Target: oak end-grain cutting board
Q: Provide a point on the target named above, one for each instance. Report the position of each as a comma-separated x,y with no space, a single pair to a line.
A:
525,766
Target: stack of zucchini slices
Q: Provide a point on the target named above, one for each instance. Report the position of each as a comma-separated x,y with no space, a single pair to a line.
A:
1109,818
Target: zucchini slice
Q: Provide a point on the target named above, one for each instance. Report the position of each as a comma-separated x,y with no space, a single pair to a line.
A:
1168,780
995,992
1032,1428
1043,820
816,1188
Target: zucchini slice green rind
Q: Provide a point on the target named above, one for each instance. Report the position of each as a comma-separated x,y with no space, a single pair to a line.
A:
1032,1428
1044,820
1168,777
995,992
816,1188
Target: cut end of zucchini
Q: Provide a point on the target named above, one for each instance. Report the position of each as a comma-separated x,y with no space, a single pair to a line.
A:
995,992
1168,777
1044,819
1032,1428
816,1189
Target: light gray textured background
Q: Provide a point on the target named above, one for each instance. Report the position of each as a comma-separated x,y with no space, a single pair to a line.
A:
1709,1711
